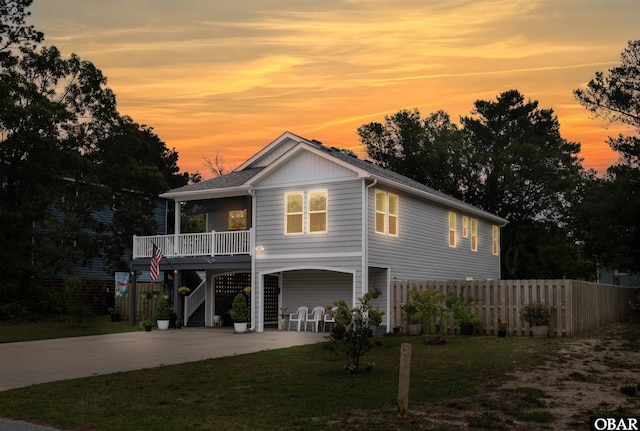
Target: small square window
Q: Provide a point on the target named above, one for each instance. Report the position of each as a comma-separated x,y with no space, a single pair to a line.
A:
238,220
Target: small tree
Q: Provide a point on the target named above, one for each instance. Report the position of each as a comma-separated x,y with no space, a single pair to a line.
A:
352,331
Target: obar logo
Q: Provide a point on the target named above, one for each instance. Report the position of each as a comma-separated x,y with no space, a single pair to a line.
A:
611,423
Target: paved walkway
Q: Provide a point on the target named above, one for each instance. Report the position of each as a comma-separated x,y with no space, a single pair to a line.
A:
32,362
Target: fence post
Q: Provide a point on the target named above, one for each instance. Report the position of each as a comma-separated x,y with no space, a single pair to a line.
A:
403,381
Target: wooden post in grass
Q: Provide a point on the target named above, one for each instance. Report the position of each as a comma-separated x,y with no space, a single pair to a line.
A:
403,381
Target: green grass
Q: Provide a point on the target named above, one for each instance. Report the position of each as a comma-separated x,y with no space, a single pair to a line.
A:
300,388
61,328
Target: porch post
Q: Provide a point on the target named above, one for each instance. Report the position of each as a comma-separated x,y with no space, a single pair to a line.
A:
132,299
176,226
177,299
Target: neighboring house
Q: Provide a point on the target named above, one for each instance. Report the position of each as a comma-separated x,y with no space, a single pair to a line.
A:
305,224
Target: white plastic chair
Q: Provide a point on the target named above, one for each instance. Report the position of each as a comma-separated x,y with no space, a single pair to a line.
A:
314,317
327,318
299,316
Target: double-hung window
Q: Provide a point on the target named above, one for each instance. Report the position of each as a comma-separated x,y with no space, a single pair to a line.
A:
317,211
452,229
294,206
306,212
387,212
474,234
496,240
465,227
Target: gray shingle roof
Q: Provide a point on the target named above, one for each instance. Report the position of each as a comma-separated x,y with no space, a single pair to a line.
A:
233,179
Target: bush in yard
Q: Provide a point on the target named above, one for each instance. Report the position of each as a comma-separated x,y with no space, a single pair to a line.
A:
76,299
352,333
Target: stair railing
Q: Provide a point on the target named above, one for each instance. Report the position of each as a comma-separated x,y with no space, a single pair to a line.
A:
193,301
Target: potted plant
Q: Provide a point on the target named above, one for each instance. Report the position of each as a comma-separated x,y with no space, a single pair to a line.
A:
375,292
240,313
184,290
163,314
147,325
538,315
460,308
115,316
502,328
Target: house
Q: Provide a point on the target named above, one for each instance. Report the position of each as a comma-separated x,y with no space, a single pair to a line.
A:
305,224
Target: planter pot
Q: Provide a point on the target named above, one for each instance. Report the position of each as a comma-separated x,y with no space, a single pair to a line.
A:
163,325
240,328
540,331
502,333
415,328
147,328
396,330
217,318
466,328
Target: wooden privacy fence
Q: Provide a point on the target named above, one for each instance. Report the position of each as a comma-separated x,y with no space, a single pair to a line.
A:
580,306
146,301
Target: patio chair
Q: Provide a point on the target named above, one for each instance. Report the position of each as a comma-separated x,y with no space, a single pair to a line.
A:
314,317
327,318
299,316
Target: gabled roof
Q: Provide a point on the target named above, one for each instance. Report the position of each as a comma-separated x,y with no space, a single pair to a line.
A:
243,178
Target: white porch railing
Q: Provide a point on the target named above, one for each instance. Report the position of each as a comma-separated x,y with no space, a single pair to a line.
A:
193,301
194,244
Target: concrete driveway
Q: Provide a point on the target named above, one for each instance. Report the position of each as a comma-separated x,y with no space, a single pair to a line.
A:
31,362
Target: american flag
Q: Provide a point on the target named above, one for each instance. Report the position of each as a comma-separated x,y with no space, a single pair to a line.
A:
154,271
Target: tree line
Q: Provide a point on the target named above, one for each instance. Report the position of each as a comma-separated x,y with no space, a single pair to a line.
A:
508,157
67,154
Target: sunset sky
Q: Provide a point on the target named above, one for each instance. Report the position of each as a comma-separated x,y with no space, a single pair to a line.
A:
231,76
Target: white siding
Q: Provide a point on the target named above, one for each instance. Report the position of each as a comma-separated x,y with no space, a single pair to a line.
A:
421,250
344,227
304,168
315,288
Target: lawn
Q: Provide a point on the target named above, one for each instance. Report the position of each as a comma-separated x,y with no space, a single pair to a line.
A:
61,328
300,388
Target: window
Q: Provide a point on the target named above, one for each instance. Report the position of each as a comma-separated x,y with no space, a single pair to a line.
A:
393,215
381,211
452,229
474,234
293,208
496,240
317,212
465,226
387,211
238,220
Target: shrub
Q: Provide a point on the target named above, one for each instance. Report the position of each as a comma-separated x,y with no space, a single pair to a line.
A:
352,332
163,311
240,309
76,299
538,313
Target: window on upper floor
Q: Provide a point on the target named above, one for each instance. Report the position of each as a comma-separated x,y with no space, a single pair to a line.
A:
465,226
452,229
393,214
496,240
294,206
387,213
306,212
238,220
474,234
317,211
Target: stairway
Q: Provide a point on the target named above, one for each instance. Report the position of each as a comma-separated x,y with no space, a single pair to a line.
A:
197,318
